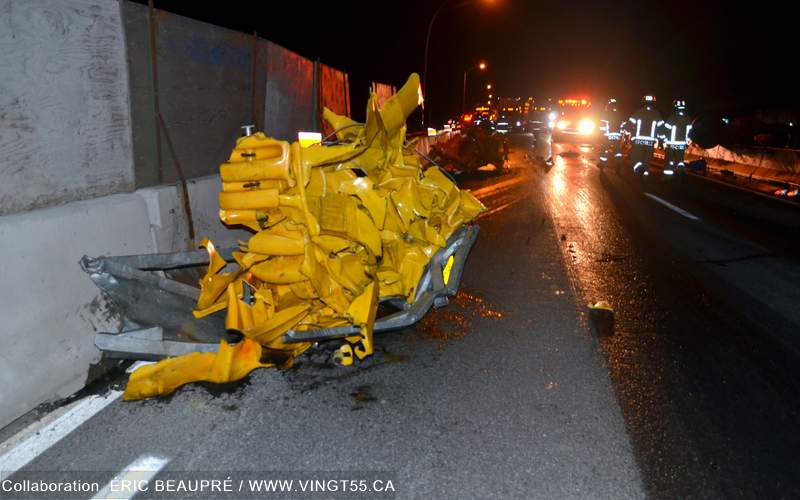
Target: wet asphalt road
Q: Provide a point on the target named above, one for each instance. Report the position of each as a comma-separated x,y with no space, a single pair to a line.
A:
507,392
704,355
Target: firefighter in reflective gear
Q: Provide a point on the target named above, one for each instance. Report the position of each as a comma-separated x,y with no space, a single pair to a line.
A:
643,127
676,138
610,125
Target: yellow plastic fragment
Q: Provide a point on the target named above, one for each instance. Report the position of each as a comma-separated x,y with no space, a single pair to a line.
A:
335,228
249,200
213,284
277,325
291,243
229,364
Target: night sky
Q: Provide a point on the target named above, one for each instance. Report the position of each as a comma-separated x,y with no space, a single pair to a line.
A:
717,55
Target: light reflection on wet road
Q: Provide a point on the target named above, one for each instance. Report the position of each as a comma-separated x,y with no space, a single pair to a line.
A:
711,402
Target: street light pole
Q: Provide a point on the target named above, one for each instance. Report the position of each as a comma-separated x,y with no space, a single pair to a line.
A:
425,62
480,66
464,92
427,44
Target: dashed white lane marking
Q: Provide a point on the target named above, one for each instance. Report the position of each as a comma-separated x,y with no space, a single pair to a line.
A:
140,471
491,189
17,457
673,207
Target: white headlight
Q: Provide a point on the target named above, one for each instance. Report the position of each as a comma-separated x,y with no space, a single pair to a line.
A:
586,126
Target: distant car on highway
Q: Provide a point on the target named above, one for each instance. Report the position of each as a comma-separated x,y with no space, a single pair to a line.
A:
510,118
573,121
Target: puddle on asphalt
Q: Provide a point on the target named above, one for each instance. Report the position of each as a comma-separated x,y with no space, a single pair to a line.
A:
454,321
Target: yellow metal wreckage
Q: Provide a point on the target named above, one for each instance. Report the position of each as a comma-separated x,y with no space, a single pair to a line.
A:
336,227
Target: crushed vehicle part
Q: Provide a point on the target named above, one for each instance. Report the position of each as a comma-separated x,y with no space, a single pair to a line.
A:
141,305
337,229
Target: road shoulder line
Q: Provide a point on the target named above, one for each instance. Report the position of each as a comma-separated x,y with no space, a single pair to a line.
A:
37,443
672,207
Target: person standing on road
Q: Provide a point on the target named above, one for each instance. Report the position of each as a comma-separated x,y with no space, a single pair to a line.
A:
643,126
610,125
677,128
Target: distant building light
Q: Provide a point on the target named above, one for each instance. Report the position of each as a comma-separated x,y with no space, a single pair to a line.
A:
307,139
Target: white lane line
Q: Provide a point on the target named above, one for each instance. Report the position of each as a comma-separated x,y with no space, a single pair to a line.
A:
38,443
139,472
491,189
497,209
673,207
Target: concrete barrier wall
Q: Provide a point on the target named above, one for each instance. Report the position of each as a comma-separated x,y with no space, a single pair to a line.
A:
211,82
291,100
64,122
77,136
333,93
782,160
50,318
384,91
206,89
425,142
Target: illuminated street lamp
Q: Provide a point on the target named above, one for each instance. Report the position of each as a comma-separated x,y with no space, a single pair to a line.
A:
481,66
488,86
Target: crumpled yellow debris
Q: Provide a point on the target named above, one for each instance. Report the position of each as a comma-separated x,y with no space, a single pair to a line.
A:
229,364
336,227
